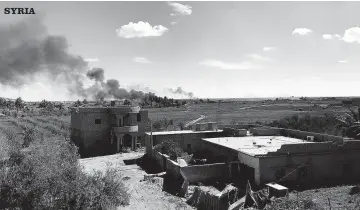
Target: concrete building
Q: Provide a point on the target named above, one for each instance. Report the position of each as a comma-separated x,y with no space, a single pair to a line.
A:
266,154
102,131
284,159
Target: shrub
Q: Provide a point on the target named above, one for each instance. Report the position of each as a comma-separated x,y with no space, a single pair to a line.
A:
169,147
47,175
29,136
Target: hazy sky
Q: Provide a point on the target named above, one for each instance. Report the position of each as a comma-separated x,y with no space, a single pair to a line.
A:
213,49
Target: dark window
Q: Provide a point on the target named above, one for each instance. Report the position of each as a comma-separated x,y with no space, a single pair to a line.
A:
97,121
189,146
120,123
138,117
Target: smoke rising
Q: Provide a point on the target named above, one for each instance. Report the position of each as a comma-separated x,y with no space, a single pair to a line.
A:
180,91
96,74
26,50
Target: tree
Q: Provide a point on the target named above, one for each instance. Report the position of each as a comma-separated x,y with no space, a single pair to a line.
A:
77,103
3,102
61,106
181,125
19,103
350,123
127,102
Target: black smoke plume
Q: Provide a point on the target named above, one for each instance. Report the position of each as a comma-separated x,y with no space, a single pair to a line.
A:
180,91
26,50
96,74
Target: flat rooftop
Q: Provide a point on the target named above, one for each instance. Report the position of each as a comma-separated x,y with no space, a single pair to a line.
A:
180,132
255,145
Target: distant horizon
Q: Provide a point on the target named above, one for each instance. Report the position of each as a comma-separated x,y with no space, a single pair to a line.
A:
248,99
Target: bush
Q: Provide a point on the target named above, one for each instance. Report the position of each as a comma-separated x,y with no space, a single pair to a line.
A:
47,175
169,147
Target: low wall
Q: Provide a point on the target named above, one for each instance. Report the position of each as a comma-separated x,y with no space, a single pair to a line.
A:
266,131
241,126
234,131
318,137
173,168
161,160
201,173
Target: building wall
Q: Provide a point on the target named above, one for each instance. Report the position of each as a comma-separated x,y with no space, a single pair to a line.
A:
189,142
253,162
324,161
202,173
320,167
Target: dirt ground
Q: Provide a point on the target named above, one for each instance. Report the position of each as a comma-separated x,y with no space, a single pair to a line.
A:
144,194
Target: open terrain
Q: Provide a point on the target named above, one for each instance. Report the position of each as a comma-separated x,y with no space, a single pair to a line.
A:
144,194
149,194
245,112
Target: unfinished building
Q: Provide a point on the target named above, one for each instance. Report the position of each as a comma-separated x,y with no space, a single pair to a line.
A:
107,130
263,155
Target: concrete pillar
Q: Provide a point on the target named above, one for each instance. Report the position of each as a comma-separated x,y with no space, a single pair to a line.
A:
132,144
117,144
229,165
122,141
257,176
135,142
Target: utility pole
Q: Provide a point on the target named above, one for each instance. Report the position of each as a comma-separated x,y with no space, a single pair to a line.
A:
151,135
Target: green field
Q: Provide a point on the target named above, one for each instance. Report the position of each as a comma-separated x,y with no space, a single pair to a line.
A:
236,112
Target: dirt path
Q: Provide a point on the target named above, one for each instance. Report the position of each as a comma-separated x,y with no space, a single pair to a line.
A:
195,121
144,194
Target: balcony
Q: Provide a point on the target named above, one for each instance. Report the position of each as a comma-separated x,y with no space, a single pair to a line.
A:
126,129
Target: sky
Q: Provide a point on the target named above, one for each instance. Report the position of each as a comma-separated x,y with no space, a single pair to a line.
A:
212,49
